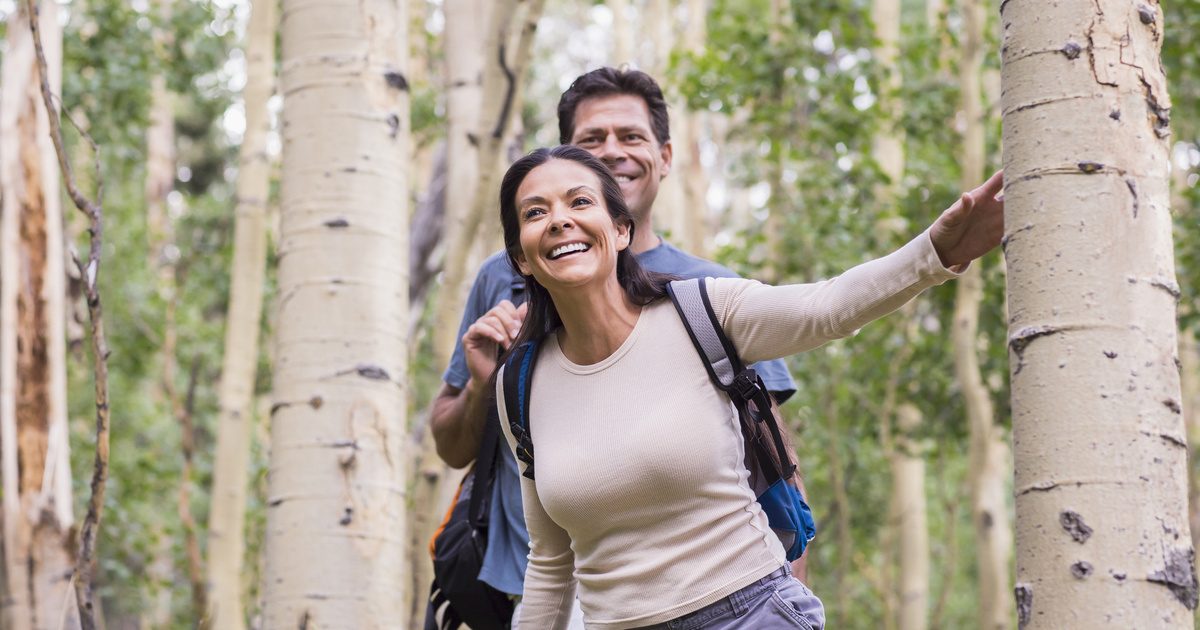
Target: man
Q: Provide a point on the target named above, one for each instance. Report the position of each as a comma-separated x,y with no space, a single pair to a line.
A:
620,117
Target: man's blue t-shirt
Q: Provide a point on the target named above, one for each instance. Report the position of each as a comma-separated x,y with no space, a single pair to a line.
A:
508,540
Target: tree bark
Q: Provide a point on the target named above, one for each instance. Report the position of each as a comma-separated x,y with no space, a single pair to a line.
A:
162,255
1101,498
502,76
988,453
336,539
912,523
231,461
34,458
622,29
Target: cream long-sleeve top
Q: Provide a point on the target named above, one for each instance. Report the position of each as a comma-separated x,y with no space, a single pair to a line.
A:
641,497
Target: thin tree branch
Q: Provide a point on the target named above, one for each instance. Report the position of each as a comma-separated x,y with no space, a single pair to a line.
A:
192,544
85,562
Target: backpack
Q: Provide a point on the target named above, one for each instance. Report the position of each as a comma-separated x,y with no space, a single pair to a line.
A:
769,458
458,595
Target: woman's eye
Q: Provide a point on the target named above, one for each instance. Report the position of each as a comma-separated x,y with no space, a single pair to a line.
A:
532,212
581,201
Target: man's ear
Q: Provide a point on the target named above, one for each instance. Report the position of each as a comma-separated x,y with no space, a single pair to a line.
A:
668,153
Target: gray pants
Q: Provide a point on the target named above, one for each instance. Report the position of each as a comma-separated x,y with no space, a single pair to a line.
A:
776,602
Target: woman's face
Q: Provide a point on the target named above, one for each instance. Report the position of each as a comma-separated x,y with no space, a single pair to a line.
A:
567,236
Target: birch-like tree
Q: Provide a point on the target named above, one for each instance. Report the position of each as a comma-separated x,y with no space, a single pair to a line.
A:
1102,535
231,462
35,470
988,453
470,192
335,540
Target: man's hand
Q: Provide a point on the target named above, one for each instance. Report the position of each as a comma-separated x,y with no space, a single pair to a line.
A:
971,227
497,329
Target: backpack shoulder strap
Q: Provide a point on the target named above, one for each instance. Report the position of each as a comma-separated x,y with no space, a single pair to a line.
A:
721,359
518,382
725,366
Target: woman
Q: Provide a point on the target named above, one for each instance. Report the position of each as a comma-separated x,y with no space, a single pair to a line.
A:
640,493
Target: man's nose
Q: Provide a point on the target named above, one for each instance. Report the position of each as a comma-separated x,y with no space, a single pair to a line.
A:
610,151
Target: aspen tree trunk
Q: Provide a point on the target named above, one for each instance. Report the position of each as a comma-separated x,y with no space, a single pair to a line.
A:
162,255
910,522
691,170
988,454
912,526
502,76
1102,531
682,206
1189,372
34,456
336,539
466,23
622,27
231,463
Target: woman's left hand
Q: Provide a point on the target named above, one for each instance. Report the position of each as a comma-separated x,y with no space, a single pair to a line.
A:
972,226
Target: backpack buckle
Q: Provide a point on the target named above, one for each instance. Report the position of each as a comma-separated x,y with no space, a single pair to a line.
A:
745,385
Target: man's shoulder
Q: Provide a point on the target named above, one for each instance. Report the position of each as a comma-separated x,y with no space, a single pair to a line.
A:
496,266
666,258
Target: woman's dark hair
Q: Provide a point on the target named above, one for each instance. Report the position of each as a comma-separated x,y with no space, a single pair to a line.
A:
642,286
607,82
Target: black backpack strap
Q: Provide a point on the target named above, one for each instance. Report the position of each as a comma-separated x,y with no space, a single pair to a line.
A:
518,383
726,369
485,470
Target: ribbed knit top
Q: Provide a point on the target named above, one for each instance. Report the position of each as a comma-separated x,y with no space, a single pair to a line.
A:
641,496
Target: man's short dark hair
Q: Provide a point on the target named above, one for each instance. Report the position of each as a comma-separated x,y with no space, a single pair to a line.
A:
609,81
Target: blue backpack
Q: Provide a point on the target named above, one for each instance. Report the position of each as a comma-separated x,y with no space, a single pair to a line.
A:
769,459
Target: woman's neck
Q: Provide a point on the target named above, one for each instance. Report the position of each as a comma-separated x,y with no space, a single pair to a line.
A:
596,321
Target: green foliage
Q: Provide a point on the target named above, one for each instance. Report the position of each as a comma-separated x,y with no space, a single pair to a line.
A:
110,58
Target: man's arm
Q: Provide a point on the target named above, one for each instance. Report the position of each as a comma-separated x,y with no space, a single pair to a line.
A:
457,422
459,415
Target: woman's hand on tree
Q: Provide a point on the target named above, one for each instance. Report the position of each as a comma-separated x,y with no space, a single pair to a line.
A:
971,227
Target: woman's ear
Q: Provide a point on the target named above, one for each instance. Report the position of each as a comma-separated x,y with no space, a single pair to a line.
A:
523,265
623,234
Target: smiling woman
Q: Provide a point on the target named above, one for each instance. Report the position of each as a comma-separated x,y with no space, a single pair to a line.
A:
641,492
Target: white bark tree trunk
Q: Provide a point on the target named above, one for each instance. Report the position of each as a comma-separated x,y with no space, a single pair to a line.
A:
907,463
336,540
1101,495
622,29
502,75
231,462
34,456
912,523
988,454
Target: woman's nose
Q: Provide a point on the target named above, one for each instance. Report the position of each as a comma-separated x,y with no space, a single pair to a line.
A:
560,221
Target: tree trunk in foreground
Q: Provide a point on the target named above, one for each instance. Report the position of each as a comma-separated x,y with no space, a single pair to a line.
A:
231,462
34,458
988,454
336,540
1101,487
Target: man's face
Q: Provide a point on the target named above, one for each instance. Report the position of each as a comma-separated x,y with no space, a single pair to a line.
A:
616,129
